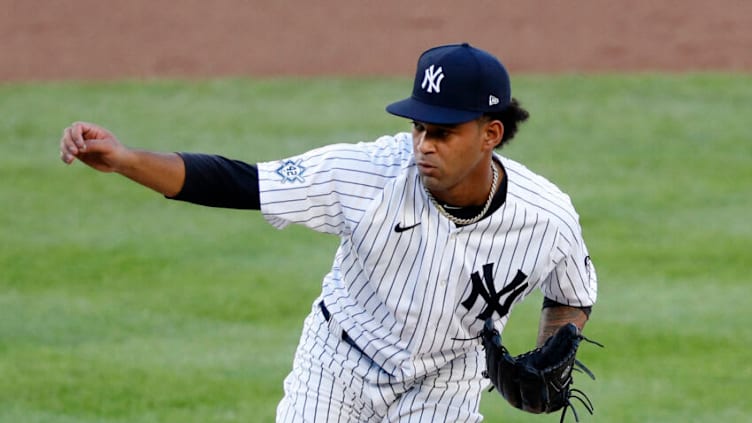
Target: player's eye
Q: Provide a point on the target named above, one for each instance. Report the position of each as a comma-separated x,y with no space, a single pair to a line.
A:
418,127
437,133
440,134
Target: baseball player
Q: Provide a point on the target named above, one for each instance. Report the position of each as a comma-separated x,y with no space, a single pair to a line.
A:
439,233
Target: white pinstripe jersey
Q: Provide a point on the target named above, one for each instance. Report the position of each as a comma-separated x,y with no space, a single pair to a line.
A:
407,298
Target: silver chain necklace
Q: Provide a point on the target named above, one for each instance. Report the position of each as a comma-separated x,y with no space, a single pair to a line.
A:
458,221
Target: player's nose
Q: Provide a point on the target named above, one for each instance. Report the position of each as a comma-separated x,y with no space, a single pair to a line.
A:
423,144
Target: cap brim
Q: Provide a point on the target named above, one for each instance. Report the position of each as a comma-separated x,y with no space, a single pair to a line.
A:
418,111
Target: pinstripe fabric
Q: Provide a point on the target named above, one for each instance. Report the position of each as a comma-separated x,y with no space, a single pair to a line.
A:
332,382
407,298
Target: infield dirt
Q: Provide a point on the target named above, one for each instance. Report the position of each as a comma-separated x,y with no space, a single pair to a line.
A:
90,39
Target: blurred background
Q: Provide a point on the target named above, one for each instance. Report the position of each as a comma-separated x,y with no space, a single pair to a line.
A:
89,39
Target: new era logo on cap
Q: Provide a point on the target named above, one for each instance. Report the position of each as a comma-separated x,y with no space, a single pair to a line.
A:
454,84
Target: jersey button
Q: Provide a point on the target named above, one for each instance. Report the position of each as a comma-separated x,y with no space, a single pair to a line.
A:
442,282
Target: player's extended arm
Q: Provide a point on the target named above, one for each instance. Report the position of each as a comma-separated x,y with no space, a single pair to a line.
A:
99,148
555,316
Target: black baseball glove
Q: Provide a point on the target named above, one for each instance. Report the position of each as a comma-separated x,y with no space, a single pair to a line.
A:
539,380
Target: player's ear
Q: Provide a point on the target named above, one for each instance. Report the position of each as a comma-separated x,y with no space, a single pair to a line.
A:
493,131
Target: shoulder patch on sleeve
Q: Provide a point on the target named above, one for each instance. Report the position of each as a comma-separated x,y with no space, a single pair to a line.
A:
291,171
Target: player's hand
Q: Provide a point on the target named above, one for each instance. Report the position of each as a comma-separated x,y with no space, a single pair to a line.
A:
92,145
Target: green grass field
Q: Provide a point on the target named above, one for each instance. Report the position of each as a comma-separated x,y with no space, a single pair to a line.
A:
119,306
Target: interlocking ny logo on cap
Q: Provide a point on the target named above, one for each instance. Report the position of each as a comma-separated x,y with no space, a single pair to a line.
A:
432,79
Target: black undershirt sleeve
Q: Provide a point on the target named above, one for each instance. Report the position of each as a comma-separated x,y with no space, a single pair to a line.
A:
547,302
216,181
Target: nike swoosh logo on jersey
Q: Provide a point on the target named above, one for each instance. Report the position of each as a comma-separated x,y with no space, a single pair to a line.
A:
398,228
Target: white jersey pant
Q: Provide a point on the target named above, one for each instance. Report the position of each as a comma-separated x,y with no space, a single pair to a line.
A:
332,381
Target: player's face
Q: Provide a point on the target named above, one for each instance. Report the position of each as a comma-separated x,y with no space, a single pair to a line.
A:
454,160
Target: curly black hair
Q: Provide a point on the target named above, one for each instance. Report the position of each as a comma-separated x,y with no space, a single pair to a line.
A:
511,118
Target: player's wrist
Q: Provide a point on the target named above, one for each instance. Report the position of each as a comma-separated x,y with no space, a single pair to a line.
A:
128,162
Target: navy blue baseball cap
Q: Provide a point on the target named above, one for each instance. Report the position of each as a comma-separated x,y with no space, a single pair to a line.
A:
454,84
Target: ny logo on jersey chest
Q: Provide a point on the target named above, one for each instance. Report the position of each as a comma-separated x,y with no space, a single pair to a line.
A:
493,299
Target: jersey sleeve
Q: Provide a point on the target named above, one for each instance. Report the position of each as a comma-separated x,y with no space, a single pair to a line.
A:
329,189
573,280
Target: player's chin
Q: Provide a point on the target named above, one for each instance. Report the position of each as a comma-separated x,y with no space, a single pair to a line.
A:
432,183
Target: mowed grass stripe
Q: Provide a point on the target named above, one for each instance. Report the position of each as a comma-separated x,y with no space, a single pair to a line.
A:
119,306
